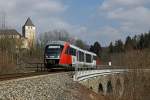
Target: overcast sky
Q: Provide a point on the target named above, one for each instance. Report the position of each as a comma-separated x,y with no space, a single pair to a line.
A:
90,20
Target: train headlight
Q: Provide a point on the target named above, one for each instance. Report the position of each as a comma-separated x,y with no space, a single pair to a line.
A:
46,56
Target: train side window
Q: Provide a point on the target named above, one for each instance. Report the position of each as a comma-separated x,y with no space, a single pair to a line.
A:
81,56
88,58
61,48
94,57
72,51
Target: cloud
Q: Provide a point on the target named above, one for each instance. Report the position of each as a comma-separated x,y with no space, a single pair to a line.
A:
109,5
115,18
139,13
106,35
46,15
52,6
131,16
17,11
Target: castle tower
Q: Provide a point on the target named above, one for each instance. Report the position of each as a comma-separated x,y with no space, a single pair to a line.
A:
28,32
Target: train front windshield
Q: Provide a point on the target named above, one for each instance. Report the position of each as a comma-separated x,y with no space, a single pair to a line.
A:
53,51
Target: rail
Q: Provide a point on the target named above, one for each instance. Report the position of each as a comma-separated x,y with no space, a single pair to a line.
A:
39,67
4,77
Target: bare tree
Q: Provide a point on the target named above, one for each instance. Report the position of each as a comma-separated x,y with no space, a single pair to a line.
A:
62,35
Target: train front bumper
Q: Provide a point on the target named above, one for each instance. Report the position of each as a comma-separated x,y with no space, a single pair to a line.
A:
52,61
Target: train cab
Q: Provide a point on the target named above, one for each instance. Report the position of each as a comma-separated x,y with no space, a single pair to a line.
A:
52,54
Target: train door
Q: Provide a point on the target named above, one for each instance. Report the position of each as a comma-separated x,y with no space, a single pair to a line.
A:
73,53
68,56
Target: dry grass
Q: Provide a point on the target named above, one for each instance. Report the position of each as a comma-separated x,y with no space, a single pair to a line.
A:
7,63
137,83
132,59
137,87
10,62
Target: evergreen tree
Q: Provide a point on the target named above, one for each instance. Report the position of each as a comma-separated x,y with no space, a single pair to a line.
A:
137,42
91,48
141,42
146,40
111,48
134,42
129,43
119,47
96,48
149,39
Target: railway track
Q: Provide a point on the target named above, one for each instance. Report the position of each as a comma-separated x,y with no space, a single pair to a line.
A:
40,70
28,74
20,75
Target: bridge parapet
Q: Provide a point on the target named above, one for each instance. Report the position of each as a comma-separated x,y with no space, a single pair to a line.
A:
85,74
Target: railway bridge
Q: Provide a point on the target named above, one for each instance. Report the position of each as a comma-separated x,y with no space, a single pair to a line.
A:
104,81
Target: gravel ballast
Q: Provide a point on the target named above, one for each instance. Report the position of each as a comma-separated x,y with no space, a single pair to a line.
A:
58,86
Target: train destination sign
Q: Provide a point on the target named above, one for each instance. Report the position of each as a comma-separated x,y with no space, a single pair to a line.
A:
53,47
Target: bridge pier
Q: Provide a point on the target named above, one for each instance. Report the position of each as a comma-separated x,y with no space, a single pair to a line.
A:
119,86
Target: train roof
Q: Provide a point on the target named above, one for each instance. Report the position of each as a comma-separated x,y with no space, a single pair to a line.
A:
85,51
56,42
73,46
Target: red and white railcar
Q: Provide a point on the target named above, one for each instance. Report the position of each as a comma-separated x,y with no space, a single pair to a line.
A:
64,54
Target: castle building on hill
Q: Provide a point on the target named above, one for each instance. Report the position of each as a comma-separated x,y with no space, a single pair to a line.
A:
10,33
28,33
27,37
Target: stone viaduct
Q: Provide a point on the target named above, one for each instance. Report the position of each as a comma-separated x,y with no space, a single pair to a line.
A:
103,81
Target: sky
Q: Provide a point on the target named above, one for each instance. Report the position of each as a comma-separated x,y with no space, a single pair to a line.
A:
90,20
